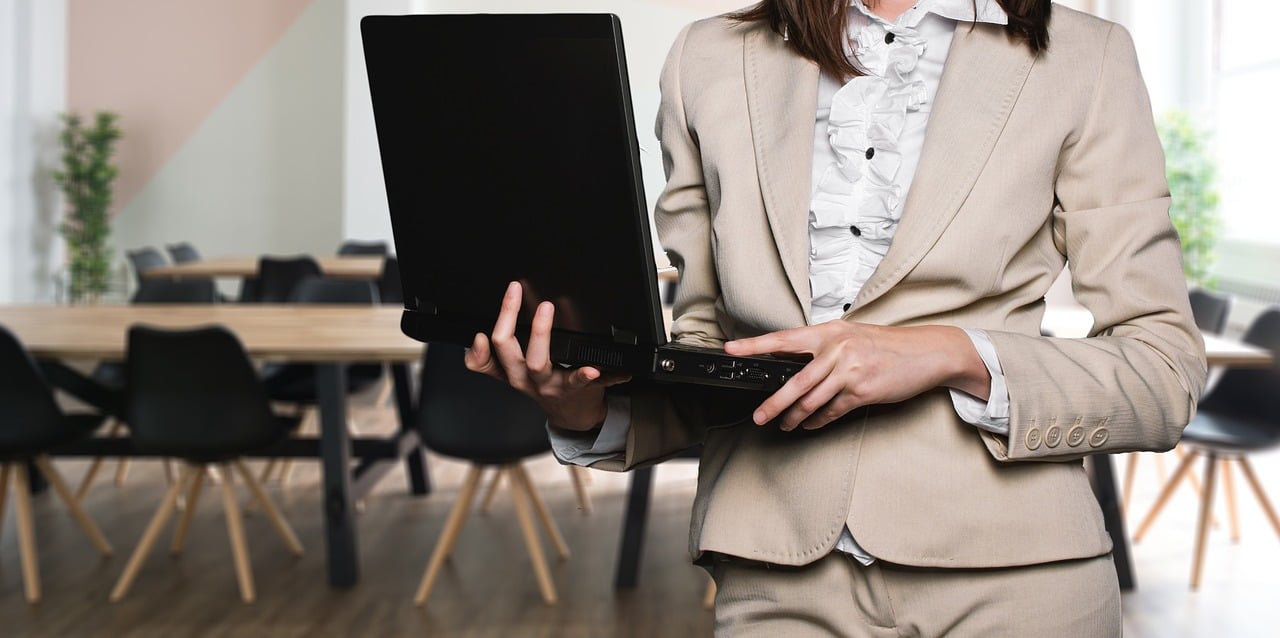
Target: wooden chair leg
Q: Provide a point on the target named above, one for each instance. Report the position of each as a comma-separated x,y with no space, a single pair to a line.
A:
193,498
1160,473
1165,494
492,490
273,513
709,598
1229,483
580,475
26,531
158,521
519,474
1206,508
4,493
235,530
1130,471
92,473
60,488
457,516
267,469
1246,468
384,395
531,540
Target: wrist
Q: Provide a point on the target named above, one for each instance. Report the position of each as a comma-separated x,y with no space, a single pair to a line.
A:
963,368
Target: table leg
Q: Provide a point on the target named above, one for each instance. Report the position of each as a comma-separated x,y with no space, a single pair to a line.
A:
335,452
416,461
628,569
1104,488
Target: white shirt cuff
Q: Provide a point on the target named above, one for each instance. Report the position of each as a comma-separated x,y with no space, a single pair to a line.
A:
588,447
991,415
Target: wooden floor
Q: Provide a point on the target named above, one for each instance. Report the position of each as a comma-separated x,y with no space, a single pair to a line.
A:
488,587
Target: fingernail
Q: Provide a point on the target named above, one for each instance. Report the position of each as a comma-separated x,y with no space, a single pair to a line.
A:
759,417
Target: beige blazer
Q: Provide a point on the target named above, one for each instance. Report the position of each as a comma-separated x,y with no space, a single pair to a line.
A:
1029,163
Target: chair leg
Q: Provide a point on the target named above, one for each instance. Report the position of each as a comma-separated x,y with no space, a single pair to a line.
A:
709,598
235,530
26,531
1160,474
60,487
531,540
1246,468
193,498
265,474
579,475
384,395
1229,482
492,490
158,521
273,513
4,493
286,466
1165,494
518,473
92,473
457,516
1130,471
1206,508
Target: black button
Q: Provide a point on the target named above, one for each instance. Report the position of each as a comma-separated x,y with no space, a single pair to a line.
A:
889,38
847,307
871,152
857,232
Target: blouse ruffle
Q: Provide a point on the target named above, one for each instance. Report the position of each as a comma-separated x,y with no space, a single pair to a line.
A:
856,204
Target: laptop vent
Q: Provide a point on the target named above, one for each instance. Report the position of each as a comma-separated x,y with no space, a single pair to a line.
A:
599,356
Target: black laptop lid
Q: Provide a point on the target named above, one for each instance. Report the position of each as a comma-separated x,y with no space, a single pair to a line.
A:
509,153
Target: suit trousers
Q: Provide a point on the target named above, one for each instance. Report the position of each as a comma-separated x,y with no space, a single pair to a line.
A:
838,596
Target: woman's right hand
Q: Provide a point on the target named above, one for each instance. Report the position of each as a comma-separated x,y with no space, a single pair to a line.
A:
572,398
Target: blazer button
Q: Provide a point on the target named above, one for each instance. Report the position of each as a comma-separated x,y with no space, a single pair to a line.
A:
1053,436
1075,436
889,38
857,232
871,152
1099,437
1033,439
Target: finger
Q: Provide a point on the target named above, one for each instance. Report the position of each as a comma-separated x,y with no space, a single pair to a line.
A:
793,341
809,403
505,345
582,377
835,409
538,356
479,358
610,380
809,377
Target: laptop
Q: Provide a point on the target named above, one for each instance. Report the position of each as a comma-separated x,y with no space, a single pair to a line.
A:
509,153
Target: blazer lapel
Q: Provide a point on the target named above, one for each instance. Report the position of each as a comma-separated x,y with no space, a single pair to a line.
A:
983,76
782,99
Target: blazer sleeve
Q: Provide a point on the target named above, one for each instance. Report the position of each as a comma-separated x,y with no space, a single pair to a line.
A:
1133,383
667,419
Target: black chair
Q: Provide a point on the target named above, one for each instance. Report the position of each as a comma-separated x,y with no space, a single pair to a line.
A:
296,383
474,418
278,276
183,253
194,395
144,259
1240,416
31,425
1210,310
369,248
389,288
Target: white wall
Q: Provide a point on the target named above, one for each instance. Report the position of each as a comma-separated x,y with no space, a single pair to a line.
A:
33,48
649,28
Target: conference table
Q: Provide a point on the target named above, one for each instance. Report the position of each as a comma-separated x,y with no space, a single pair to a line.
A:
328,336
338,267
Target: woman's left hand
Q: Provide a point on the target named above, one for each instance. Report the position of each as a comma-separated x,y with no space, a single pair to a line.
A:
857,364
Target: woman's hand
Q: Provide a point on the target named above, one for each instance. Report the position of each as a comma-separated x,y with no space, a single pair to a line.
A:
572,398
857,364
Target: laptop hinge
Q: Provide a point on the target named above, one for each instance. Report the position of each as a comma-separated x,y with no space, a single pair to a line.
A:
624,337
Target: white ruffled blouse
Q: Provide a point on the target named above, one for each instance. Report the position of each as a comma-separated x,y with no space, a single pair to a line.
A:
868,136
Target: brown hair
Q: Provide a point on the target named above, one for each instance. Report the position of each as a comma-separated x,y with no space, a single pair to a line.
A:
817,29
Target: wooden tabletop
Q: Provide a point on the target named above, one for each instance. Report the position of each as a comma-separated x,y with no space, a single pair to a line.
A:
1219,351
274,332
341,267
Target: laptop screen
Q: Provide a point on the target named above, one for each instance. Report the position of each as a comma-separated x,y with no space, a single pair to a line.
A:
509,153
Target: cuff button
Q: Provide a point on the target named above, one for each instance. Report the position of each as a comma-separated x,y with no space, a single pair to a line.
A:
1032,439
1075,436
1099,437
1053,436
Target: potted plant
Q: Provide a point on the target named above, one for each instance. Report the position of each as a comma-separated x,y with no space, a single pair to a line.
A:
1193,175
86,178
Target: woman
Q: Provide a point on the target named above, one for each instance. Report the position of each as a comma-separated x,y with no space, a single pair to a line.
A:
891,188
